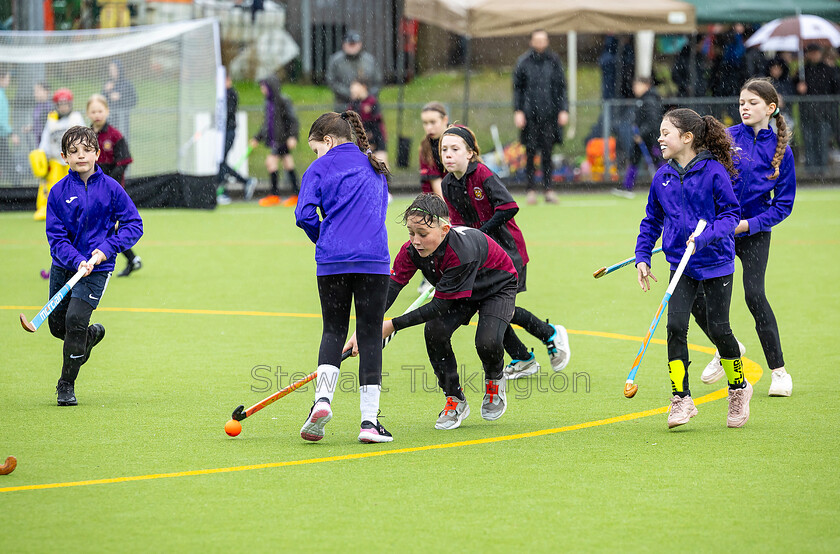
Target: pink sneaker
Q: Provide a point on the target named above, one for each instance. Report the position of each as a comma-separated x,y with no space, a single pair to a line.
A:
319,415
739,406
682,410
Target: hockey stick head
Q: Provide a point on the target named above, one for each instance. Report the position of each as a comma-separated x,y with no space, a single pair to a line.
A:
239,413
600,273
630,390
27,326
9,466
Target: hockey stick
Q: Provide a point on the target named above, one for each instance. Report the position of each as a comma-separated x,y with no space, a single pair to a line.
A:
630,388
241,413
243,158
646,154
45,312
607,270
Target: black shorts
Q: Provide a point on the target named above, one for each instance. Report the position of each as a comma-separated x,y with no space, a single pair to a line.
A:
280,149
90,288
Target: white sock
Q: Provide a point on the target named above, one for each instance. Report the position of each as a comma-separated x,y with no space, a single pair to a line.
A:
326,382
369,402
780,370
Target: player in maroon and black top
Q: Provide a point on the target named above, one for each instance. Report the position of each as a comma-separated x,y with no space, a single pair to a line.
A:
114,158
435,121
471,273
477,198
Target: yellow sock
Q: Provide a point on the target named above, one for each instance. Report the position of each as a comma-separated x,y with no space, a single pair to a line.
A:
676,369
734,372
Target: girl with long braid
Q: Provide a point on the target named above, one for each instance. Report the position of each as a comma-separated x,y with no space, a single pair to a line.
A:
765,187
346,185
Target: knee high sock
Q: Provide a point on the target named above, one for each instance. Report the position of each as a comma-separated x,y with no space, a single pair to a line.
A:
369,402
326,382
734,369
292,176
274,188
678,371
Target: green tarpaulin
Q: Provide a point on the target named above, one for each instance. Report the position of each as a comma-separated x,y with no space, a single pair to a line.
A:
761,11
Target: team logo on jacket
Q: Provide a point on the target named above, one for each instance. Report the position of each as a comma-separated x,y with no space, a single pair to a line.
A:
478,193
107,145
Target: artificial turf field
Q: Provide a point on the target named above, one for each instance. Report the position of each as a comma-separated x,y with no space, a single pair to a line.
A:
143,463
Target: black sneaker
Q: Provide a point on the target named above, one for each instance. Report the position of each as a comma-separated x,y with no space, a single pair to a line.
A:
66,394
134,265
98,333
374,432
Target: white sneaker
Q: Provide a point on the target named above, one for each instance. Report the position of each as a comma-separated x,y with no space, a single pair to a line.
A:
714,371
781,383
559,351
319,416
522,368
223,200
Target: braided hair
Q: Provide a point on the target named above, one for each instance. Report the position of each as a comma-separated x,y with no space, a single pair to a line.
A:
709,134
764,89
346,127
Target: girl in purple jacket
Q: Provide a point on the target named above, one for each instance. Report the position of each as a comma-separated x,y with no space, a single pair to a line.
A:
694,185
765,187
346,185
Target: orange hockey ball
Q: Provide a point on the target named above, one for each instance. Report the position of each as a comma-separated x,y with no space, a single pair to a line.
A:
233,427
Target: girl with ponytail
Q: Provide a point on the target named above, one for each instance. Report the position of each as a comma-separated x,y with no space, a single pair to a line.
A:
765,187
341,207
695,184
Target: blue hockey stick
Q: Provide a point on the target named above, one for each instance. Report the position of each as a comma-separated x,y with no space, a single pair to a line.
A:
45,312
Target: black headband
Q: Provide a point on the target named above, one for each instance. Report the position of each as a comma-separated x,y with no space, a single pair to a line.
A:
464,134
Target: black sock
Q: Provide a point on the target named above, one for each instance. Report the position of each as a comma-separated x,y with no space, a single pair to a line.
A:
292,176
129,254
274,188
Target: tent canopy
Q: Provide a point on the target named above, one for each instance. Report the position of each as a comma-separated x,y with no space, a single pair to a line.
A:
498,18
762,11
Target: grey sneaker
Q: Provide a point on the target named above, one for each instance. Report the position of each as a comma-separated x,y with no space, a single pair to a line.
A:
319,415
495,401
250,187
454,412
739,406
558,348
522,368
682,409
714,370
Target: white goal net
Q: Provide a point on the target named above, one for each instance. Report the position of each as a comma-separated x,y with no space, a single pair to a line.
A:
168,84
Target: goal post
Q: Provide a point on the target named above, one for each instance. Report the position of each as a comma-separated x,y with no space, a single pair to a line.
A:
165,87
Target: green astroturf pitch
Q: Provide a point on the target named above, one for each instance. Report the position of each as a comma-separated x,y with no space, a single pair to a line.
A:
225,310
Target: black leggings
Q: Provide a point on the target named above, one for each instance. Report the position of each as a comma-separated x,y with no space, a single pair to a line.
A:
489,337
533,325
718,292
369,293
69,322
754,251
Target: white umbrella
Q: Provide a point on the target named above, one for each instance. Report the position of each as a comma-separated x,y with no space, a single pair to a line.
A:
791,34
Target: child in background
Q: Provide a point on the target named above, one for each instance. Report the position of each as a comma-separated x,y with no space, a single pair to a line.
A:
114,158
477,198
82,212
367,106
6,134
695,184
346,185
435,121
471,274
645,131
279,131
225,170
47,162
766,188
41,95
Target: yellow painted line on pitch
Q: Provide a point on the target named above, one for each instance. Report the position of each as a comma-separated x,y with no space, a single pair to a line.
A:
751,368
